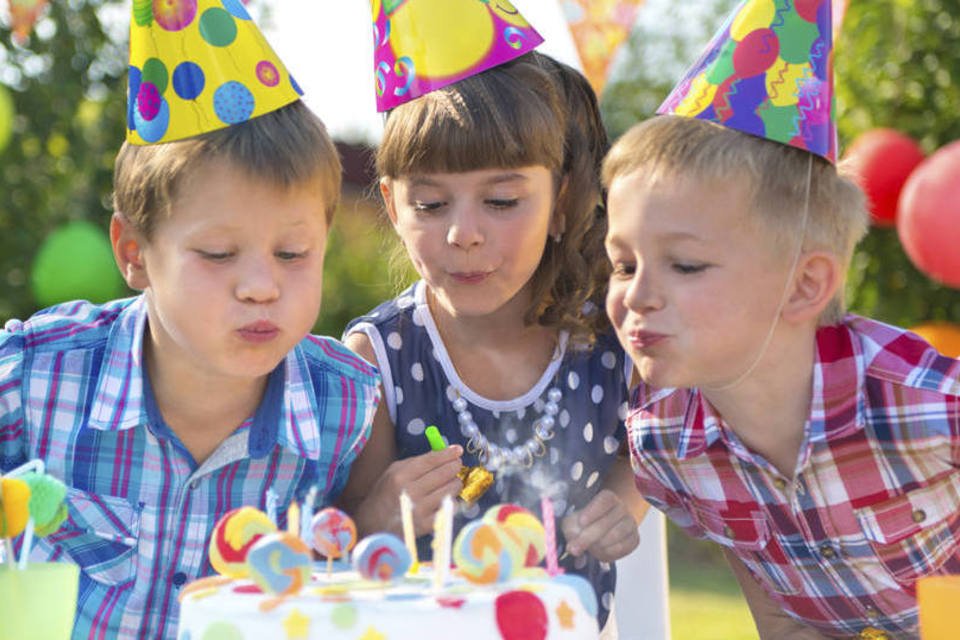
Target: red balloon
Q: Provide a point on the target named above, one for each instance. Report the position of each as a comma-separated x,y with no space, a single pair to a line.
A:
929,218
881,161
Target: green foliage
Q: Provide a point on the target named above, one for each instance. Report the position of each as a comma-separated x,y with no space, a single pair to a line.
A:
67,87
896,66
364,266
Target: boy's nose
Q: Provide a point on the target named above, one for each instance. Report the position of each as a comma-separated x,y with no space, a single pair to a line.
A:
642,294
258,282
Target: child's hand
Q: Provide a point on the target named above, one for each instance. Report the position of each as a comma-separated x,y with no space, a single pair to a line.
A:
426,478
604,528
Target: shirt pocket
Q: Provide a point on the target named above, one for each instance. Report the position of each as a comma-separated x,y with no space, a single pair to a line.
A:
100,535
916,534
749,537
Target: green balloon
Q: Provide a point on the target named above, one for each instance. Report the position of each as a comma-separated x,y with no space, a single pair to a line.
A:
155,71
7,114
75,262
217,27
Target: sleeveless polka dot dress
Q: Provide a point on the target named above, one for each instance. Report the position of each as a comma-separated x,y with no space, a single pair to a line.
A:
420,385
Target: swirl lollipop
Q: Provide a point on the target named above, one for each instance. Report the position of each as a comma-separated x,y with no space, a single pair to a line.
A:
484,553
280,563
235,533
522,529
381,556
334,532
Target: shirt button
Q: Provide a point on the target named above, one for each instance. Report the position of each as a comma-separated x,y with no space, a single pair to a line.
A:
919,515
827,552
728,531
872,613
194,485
780,484
179,578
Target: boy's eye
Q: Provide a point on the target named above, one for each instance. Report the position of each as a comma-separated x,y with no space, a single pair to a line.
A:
502,203
289,256
215,256
688,268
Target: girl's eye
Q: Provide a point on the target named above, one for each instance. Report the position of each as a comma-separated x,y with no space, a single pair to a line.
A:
215,256
426,207
289,256
688,269
502,203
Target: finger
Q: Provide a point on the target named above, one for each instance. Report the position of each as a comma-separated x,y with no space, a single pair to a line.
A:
598,507
570,526
621,540
597,531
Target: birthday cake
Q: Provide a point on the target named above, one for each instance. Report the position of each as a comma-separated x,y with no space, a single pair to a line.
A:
270,586
345,605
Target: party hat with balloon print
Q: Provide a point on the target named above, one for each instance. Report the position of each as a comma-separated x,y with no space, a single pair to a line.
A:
767,72
198,66
423,45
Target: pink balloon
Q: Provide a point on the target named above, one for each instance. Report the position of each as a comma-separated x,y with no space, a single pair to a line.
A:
929,216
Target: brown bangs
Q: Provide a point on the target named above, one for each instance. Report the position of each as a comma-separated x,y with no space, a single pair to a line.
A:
500,118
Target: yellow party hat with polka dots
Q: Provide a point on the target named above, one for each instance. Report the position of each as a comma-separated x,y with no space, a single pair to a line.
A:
198,66
423,45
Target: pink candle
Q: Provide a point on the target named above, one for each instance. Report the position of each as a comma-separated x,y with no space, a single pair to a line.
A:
550,533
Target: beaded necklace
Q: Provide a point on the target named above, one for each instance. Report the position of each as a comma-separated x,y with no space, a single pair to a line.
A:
494,456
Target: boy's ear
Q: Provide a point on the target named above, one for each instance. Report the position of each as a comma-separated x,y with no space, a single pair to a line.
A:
817,277
127,244
387,194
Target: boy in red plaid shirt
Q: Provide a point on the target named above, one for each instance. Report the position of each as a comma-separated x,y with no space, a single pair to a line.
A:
819,449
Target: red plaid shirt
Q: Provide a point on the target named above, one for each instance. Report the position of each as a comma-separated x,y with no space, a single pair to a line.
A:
874,506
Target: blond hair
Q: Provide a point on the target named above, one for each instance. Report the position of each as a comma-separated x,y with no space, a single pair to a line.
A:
285,148
531,111
777,179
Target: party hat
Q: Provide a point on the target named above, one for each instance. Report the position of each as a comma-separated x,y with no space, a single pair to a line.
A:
767,72
198,66
422,45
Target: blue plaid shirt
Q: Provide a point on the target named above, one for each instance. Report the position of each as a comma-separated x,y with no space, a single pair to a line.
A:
73,392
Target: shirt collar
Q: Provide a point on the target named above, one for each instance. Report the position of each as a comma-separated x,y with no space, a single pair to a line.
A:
122,400
836,406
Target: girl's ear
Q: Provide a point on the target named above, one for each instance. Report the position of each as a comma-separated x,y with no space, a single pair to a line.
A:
128,245
816,280
386,193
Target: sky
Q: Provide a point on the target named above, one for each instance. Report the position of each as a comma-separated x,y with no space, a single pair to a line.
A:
327,46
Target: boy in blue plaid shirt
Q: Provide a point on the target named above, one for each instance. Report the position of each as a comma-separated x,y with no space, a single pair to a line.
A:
164,411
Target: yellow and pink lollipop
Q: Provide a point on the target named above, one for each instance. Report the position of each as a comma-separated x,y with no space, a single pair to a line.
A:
484,553
233,537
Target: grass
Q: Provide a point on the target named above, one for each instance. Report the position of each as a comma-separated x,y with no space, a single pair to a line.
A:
705,599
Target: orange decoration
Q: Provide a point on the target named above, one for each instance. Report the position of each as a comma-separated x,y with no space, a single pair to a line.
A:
23,15
944,336
599,27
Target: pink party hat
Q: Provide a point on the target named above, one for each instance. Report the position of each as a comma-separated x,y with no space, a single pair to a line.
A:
422,45
198,66
767,72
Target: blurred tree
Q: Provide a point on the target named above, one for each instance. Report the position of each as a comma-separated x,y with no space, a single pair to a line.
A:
895,66
67,87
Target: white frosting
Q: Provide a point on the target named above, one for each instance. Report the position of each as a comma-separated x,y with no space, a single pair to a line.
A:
345,606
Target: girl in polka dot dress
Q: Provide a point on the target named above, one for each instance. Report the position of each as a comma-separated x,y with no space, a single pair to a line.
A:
492,185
